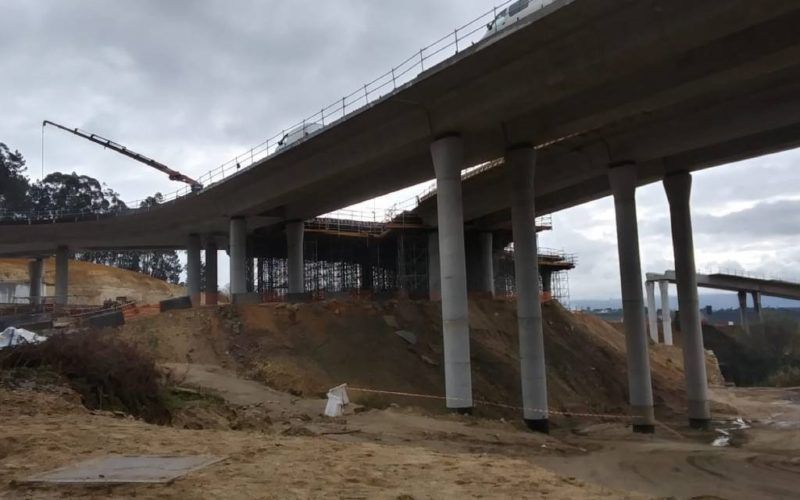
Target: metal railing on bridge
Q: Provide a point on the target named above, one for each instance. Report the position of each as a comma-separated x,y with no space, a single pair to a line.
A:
447,46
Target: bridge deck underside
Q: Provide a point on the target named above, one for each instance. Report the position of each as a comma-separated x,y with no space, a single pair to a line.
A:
670,84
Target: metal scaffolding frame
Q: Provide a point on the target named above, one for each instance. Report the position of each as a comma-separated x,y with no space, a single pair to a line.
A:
358,257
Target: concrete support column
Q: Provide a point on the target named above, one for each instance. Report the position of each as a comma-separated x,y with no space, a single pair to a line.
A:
448,161
366,276
434,271
757,308
547,283
521,167
652,312
35,275
486,257
743,312
402,274
679,188
212,287
62,276
237,248
193,266
249,266
295,232
666,312
623,184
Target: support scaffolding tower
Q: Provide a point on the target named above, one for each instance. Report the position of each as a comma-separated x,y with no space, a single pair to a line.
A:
356,257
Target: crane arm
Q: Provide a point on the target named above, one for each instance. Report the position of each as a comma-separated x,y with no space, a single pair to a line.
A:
174,175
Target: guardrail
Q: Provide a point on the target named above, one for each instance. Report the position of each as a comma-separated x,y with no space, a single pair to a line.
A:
740,273
409,69
550,254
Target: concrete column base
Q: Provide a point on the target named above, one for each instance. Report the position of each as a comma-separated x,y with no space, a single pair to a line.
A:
644,420
541,425
701,424
699,414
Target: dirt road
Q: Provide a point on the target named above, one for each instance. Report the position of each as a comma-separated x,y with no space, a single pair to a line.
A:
763,461
403,452
41,431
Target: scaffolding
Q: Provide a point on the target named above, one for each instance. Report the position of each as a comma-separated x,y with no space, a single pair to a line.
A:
557,262
355,258
358,252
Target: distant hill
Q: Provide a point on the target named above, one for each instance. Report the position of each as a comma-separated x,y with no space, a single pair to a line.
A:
715,300
92,284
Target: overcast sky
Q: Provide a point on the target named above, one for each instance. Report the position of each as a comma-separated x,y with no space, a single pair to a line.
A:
193,83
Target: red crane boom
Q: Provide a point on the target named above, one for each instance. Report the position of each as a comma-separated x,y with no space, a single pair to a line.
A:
174,175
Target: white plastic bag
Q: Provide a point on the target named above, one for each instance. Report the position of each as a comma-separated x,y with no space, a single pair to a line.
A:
15,336
337,400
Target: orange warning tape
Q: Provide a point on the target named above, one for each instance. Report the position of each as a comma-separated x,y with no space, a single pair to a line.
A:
498,405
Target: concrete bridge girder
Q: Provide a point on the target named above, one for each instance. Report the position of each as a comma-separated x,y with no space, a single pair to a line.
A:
638,72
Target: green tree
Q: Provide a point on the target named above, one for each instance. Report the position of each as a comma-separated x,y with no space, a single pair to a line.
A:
14,183
60,193
159,264
73,194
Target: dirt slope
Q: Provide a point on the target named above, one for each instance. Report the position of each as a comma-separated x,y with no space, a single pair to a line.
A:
92,284
307,349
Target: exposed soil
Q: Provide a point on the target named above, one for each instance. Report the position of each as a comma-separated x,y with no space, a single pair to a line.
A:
42,431
93,284
307,349
403,453
279,445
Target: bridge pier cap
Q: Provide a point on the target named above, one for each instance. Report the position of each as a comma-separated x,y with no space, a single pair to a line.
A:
623,181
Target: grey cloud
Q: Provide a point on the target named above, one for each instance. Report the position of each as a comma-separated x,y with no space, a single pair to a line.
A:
764,220
192,82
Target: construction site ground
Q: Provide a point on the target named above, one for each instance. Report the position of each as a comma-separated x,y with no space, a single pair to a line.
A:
251,382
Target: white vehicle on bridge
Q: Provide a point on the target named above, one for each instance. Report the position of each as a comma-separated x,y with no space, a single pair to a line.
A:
298,134
512,14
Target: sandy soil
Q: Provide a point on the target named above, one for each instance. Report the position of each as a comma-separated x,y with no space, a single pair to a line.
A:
278,445
762,461
39,433
406,452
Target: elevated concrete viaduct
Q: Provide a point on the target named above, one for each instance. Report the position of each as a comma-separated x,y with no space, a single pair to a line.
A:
611,95
743,285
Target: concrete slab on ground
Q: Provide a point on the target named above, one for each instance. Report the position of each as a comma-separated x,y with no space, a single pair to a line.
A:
123,469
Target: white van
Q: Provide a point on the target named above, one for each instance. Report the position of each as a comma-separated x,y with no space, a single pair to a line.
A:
298,134
512,14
